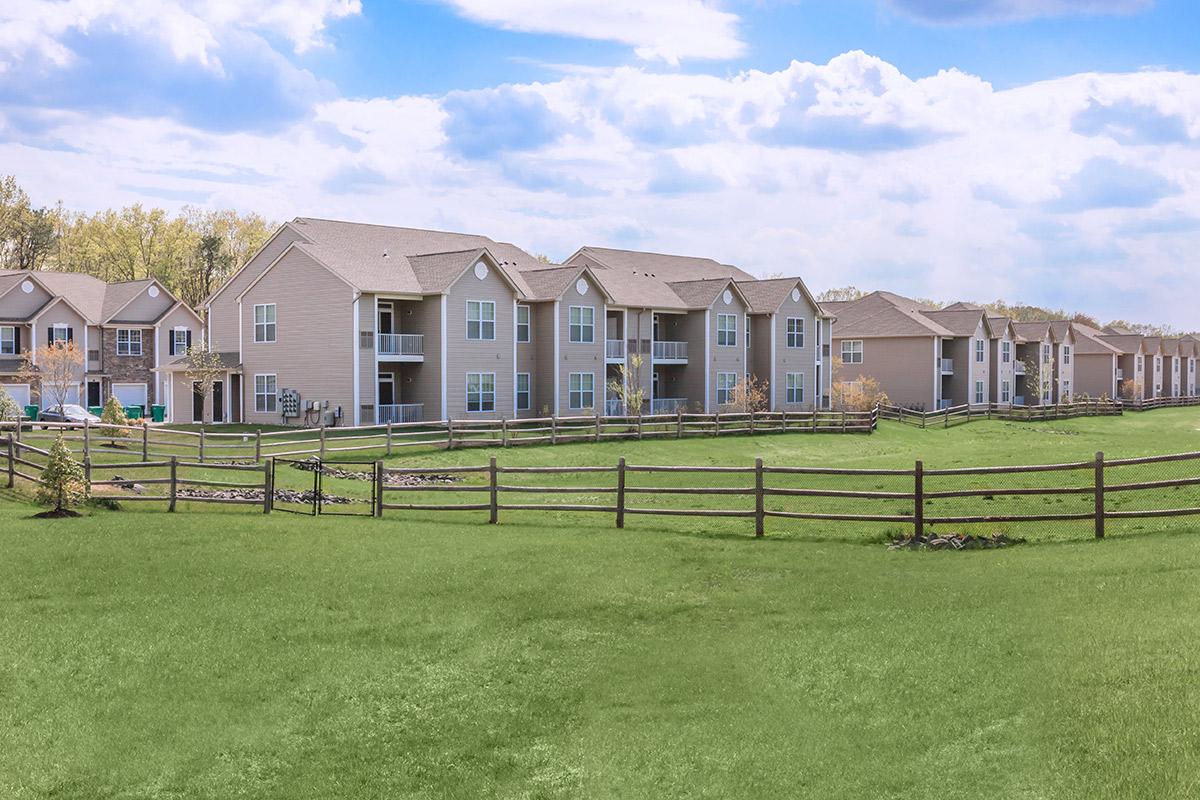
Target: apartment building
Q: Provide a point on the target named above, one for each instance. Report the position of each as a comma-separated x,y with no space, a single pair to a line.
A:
124,330
344,323
1048,352
1131,363
1008,372
1097,363
1155,367
1189,351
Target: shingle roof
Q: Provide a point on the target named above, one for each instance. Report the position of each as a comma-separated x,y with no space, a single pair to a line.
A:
1034,331
228,360
961,306
883,314
96,300
1126,343
700,294
116,295
668,268
1088,341
1170,347
549,284
961,322
766,296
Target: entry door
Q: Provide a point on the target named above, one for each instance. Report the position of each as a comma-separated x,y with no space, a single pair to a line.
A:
218,401
197,403
387,389
93,393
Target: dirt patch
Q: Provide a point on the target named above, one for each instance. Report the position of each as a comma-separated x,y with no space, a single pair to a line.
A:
57,513
953,541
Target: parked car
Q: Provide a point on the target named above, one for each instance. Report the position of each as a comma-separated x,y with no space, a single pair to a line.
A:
68,413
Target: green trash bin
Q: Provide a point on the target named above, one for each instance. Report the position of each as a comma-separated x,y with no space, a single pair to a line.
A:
31,412
134,412
158,413
96,410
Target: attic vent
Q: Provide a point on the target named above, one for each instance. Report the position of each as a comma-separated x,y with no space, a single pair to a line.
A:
385,253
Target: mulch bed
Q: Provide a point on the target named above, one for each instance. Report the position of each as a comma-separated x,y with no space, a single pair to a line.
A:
953,541
57,513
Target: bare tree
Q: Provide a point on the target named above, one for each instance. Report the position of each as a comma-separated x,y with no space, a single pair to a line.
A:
204,370
628,386
56,368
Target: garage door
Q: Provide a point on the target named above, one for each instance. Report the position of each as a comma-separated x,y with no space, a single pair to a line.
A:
130,394
18,392
49,398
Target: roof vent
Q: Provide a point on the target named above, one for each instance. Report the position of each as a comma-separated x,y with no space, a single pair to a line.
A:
385,253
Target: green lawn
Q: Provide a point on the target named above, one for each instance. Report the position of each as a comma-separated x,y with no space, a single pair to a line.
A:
221,653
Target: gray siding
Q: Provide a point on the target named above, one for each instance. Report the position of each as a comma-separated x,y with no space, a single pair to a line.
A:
904,367
17,305
466,355
585,358
223,313
724,358
802,359
144,308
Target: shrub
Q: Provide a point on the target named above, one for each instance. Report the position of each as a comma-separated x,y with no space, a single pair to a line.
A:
63,483
114,415
8,406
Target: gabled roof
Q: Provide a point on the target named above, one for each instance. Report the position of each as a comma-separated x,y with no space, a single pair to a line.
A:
961,322
1088,341
1170,347
1125,343
884,314
1000,325
552,282
665,267
766,296
1115,330
119,295
1034,331
437,272
703,293
961,306
1153,345
93,299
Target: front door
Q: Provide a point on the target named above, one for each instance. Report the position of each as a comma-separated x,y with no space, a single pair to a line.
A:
218,401
197,404
93,394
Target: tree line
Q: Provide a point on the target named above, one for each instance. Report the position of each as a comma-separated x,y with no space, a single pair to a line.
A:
191,253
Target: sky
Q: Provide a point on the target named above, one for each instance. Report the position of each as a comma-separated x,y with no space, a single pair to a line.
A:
1043,151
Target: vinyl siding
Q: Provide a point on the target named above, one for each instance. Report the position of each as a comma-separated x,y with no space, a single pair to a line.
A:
479,356
1094,374
575,357
223,313
16,305
800,360
903,366
144,308
725,359
532,354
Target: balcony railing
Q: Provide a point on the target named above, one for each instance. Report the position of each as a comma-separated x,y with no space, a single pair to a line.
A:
668,405
1019,368
1120,374
614,408
1019,400
947,366
614,349
945,403
401,344
670,351
400,412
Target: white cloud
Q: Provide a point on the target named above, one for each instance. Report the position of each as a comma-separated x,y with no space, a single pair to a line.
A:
667,30
975,207
974,11
190,29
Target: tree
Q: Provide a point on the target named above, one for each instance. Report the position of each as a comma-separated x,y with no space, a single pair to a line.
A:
56,368
8,406
861,394
752,395
1041,374
62,483
204,370
627,387
112,417
839,294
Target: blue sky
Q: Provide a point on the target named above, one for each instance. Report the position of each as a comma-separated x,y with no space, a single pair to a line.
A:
1039,150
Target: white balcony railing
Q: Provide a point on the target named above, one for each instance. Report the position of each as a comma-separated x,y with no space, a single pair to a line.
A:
401,344
668,405
1019,368
400,412
614,408
614,349
945,403
1120,374
670,351
1019,400
947,366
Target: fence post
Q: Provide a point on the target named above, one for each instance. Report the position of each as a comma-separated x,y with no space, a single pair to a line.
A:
257,444
493,511
1100,495
597,426
679,423
717,424
145,440
388,447
87,437
621,492
639,426
378,510
504,432
449,434
759,516
12,460
87,470
919,499
174,482
783,421
553,430
202,443
322,439
268,489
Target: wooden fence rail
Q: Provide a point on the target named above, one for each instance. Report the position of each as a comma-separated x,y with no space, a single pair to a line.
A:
947,417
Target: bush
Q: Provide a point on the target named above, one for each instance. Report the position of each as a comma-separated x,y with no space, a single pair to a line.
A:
113,415
63,483
8,406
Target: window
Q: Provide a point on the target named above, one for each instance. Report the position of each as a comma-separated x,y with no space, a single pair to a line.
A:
1139,363
1192,366
852,351
1158,363
1005,391
795,332
746,322
726,330
264,394
1066,351
1006,352
179,341
978,391
1066,390
581,321
481,391
1045,354
795,387
59,333
129,342
979,351
581,391
264,322
1046,394
522,323
481,321
8,340
523,393
726,384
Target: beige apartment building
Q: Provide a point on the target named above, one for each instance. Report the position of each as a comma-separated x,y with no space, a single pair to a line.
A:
123,330
344,323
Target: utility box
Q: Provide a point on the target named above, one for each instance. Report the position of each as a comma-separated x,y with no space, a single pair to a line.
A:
289,402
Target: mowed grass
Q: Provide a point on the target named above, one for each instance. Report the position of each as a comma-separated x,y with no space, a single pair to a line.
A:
220,653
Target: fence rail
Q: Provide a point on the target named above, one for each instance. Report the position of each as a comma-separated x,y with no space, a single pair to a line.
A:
146,441
761,492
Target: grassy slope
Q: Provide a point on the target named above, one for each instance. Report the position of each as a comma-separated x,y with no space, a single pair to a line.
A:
217,656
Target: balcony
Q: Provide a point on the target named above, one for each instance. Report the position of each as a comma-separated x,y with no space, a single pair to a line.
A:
1120,374
668,405
401,346
614,408
1019,368
947,366
402,412
614,350
1019,400
670,353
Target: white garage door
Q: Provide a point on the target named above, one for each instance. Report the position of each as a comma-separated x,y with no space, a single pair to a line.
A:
18,392
49,398
130,394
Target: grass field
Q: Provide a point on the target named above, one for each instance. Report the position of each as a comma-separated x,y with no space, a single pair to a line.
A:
218,654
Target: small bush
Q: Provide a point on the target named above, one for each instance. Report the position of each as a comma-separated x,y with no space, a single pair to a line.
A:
113,415
63,483
8,406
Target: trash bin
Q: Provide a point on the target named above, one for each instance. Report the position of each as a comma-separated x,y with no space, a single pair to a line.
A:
158,413
31,412
96,410
134,412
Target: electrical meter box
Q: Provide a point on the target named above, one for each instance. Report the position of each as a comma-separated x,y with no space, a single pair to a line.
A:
289,402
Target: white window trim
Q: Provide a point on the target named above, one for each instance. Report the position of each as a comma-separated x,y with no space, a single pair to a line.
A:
860,352
265,394
728,390
734,331
580,391
12,340
798,332
528,391
979,392
129,339
528,324
60,326
467,393
274,324
590,326
788,387
481,321
1006,352
980,351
